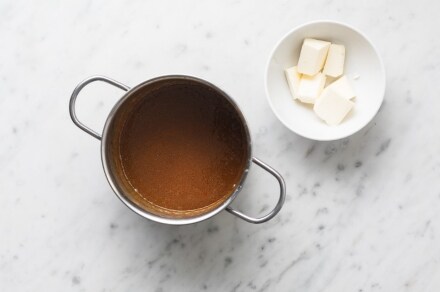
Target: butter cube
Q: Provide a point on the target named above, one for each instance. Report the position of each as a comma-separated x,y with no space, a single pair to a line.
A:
312,56
342,87
310,87
334,65
332,107
293,78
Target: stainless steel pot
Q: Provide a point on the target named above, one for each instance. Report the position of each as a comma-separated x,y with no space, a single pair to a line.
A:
113,177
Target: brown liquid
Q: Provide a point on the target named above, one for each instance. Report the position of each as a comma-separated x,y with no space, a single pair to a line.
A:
183,147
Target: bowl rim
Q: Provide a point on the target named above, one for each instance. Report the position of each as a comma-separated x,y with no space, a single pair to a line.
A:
332,22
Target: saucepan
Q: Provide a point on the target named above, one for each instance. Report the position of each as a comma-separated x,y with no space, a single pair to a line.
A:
112,128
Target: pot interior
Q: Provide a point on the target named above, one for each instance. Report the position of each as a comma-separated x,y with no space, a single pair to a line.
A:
176,147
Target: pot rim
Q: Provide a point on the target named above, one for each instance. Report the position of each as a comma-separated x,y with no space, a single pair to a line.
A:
119,192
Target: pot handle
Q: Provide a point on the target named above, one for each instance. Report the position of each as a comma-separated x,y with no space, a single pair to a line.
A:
280,200
77,90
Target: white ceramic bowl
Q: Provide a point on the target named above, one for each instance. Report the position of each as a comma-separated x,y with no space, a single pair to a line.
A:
362,59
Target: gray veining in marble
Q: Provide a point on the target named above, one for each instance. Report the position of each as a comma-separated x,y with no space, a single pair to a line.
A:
362,214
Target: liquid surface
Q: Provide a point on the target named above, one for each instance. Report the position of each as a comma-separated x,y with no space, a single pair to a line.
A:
183,148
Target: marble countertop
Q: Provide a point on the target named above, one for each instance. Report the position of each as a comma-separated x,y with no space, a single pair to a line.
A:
362,214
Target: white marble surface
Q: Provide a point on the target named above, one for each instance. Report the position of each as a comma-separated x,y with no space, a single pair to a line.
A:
362,214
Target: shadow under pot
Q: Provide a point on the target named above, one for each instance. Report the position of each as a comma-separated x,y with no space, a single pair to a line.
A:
176,149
